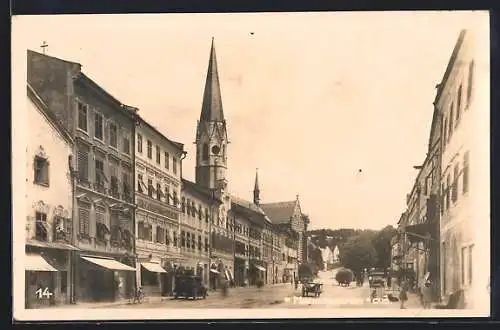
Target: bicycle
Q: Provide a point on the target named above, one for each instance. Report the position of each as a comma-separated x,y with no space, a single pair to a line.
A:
138,296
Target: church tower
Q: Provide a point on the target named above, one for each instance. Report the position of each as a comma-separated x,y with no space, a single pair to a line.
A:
211,134
256,189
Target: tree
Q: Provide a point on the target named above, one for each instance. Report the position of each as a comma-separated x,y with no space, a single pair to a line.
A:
382,244
358,253
317,258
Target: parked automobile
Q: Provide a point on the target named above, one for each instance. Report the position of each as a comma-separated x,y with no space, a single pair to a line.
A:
189,286
376,279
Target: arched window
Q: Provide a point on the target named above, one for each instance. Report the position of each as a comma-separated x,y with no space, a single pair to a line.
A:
204,153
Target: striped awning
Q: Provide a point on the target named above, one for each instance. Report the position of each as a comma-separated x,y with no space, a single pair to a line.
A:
153,267
107,263
37,263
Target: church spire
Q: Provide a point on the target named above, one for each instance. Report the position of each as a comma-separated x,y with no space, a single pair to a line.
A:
256,190
211,109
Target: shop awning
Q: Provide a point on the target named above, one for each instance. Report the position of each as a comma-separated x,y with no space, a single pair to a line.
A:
108,263
36,263
152,267
260,268
51,245
419,232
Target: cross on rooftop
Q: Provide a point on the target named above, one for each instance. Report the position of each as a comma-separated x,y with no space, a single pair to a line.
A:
43,46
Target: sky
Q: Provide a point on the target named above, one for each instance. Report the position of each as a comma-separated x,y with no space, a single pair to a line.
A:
333,107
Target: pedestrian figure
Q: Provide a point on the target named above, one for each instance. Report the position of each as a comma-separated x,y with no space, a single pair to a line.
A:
224,287
373,295
403,294
427,295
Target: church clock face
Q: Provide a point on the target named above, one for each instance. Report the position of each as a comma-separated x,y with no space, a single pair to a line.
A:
215,150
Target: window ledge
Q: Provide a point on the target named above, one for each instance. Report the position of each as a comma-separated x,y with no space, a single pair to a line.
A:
43,184
81,130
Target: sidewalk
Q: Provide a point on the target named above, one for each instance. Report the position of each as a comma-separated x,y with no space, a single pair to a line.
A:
159,299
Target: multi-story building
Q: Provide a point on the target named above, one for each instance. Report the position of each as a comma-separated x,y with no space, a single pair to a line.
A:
463,103
198,215
158,175
49,207
422,218
249,222
103,197
288,219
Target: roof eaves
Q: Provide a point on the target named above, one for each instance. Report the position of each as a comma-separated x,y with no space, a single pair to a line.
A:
33,95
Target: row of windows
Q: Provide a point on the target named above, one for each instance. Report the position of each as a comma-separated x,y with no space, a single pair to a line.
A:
450,190
119,224
162,235
167,158
157,192
452,118
61,228
112,130
188,241
189,207
117,179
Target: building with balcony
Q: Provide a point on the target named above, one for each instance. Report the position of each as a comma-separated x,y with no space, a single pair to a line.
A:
49,225
462,100
103,197
158,190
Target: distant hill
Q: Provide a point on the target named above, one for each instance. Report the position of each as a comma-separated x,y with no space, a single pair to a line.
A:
335,237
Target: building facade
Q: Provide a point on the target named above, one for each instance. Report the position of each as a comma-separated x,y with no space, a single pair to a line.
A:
462,100
49,249
198,215
289,221
103,195
157,227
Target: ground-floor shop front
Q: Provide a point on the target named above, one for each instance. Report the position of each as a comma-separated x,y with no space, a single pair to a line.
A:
240,271
221,270
47,276
257,273
104,277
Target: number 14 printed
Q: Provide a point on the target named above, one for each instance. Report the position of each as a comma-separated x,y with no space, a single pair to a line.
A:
43,294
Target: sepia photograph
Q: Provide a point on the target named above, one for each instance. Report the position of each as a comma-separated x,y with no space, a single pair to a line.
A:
294,165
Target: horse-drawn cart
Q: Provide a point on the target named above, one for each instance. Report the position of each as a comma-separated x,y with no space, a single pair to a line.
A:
311,287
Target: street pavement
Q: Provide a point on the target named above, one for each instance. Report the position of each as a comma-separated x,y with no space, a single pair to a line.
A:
334,296
282,295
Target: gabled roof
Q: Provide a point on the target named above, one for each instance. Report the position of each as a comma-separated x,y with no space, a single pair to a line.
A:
449,67
211,109
280,212
246,204
49,115
127,110
178,145
200,191
249,210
